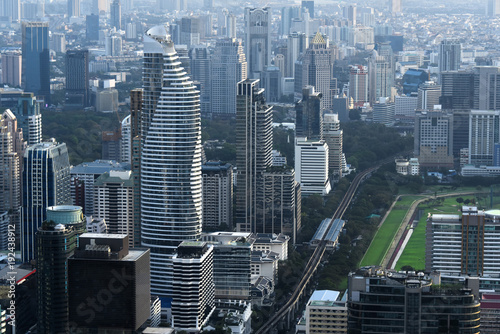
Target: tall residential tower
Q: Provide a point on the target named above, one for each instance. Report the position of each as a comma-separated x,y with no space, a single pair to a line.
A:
171,181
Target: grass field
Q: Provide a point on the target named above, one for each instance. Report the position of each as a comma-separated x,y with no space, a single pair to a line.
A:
414,253
383,238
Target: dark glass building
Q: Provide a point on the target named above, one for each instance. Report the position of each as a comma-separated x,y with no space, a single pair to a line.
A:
92,27
77,78
309,121
36,67
390,302
46,182
412,79
103,270
55,243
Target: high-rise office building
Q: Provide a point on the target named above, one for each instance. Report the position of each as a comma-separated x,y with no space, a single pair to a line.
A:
358,85
395,6
56,241
350,13
77,78
217,195
311,166
101,267
257,39
414,78
450,55
314,68
281,214
228,67
135,146
171,181
193,285
73,8
486,88
116,14
492,7
463,243
45,182
384,111
433,144
199,58
92,27
114,202
428,95
29,118
271,79
457,90
287,15
381,74
309,6
11,68
232,254
389,302
126,142
254,141
297,43
309,118
190,32
333,136
88,172
11,9
36,67
484,131
11,153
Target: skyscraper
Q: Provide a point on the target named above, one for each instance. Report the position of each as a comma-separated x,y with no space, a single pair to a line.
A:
171,203
333,136
77,78
11,9
73,8
309,6
450,55
56,242
115,272
358,85
92,27
217,195
395,6
428,95
254,141
29,118
309,119
114,202
311,166
35,51
381,74
228,67
126,142
11,68
193,286
314,68
135,159
297,43
492,7
11,151
45,183
434,139
116,14
199,58
457,90
257,39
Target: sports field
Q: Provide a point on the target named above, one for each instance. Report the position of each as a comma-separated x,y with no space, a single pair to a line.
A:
385,234
414,252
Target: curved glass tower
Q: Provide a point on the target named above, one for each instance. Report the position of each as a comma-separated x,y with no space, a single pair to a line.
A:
171,207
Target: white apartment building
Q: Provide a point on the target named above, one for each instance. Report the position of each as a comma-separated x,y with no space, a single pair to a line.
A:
311,166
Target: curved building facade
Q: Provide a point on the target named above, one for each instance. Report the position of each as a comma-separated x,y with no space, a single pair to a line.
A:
171,180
